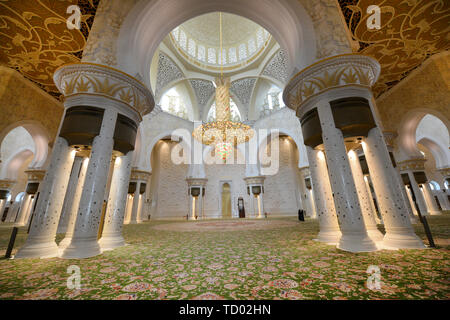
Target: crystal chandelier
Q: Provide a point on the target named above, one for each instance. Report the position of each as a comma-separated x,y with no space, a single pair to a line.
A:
223,133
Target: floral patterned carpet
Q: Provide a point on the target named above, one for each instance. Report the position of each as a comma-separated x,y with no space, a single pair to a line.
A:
282,262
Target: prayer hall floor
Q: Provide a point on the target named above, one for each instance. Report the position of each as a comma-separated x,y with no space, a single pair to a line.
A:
270,259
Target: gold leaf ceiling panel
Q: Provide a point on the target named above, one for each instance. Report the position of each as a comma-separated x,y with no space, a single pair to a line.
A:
411,31
35,39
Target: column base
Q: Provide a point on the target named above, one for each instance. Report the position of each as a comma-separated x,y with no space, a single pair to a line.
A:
356,242
111,242
33,248
64,244
375,234
81,248
402,238
435,213
329,237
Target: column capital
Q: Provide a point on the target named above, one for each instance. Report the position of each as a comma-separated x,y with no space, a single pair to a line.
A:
444,171
333,72
95,80
255,180
389,138
305,171
196,181
36,175
139,175
412,164
7,184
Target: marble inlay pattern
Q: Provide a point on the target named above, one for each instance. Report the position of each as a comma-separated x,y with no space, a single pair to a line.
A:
277,67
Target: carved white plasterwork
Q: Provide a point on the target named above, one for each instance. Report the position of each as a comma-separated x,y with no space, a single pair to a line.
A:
204,89
168,72
339,71
243,89
96,80
331,36
277,67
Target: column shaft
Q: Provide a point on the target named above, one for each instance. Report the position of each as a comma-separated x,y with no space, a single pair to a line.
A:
364,198
418,194
115,212
20,221
84,242
72,211
71,188
134,213
41,240
354,234
429,198
399,232
323,198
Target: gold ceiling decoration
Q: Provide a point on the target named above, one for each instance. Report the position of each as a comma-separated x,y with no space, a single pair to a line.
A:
35,39
411,31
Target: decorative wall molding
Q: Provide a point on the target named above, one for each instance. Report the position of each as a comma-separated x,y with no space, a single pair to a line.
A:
338,71
93,79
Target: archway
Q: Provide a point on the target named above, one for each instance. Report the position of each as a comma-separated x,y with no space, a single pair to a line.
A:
407,132
286,20
226,201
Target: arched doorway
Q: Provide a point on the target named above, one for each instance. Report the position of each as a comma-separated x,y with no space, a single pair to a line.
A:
226,201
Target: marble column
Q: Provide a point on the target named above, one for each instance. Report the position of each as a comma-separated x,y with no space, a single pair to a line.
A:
128,209
420,198
41,240
72,211
256,185
73,180
135,209
399,232
411,201
20,221
372,200
196,197
323,197
112,230
429,198
2,206
354,234
364,198
306,193
84,242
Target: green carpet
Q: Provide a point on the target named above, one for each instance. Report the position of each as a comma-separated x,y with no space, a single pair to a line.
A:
280,263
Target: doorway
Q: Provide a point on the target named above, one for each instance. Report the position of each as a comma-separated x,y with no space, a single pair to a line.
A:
226,201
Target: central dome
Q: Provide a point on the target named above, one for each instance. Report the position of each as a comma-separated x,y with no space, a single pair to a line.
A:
198,41
205,29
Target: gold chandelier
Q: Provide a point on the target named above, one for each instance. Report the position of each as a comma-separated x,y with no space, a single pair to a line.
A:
223,133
